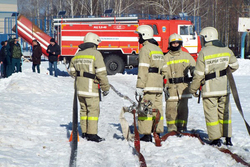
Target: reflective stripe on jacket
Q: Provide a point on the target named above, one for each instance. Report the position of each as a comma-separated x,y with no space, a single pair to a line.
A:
90,61
213,59
150,56
178,65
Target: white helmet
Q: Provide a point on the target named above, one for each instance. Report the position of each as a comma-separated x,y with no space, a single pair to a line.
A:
175,38
146,31
209,34
92,38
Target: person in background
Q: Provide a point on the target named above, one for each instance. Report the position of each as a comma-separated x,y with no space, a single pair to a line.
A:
3,60
9,68
16,53
53,50
36,56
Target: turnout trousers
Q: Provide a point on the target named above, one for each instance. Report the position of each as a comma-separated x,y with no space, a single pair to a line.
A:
177,115
145,122
218,117
89,114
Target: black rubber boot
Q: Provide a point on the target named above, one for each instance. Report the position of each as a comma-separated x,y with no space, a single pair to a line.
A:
182,129
216,142
228,141
95,138
146,138
84,135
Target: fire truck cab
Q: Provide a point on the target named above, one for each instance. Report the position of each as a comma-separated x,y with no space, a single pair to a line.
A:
120,46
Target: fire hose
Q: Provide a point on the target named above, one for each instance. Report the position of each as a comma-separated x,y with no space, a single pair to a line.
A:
129,136
125,127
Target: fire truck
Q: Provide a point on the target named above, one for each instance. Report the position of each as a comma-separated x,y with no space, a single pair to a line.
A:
120,46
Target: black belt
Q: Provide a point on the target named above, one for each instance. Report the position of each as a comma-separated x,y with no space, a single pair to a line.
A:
180,80
213,75
153,70
86,74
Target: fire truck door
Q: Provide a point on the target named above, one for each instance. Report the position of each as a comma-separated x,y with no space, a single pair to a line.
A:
165,32
189,37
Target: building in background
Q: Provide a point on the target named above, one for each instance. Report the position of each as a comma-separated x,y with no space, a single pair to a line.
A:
7,8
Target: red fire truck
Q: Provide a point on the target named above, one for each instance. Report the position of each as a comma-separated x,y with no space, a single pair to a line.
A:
119,45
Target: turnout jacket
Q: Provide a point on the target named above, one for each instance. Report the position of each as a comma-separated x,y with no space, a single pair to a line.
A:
178,64
89,66
213,60
150,57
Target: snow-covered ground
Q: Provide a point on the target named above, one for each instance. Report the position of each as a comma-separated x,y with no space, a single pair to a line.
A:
36,115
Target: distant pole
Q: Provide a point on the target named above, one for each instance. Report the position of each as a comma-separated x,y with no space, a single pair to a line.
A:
72,9
243,37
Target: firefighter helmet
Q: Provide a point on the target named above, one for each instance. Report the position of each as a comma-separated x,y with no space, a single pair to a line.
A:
146,31
92,38
209,34
175,38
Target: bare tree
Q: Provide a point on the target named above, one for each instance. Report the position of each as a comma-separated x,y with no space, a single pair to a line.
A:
222,14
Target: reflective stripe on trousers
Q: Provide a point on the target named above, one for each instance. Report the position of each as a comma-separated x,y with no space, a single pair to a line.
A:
148,118
219,122
176,121
89,118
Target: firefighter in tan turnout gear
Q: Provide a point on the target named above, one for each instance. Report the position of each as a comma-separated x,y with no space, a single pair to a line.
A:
90,70
210,70
150,81
177,70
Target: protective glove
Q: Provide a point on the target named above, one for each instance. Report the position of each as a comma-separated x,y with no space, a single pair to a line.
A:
105,93
195,94
139,92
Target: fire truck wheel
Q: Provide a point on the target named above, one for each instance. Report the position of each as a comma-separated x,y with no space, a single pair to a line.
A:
114,64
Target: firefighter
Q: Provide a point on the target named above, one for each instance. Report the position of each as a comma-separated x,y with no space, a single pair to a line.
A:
90,70
177,70
149,81
210,70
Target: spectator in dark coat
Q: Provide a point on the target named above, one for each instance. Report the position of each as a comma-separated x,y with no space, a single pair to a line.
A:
36,56
53,50
9,68
16,53
3,59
